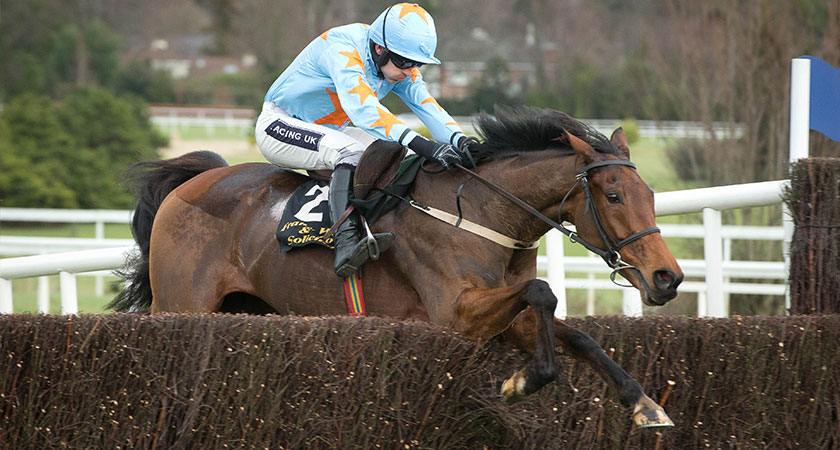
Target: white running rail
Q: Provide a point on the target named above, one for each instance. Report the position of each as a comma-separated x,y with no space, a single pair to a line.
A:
715,267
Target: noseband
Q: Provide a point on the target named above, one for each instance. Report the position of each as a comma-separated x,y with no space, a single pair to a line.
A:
610,253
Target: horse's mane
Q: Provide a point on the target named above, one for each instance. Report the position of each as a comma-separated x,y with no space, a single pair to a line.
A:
514,130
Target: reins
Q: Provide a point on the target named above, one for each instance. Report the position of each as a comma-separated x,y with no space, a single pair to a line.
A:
611,255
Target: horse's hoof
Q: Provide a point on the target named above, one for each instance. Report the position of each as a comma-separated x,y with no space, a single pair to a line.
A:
648,414
513,389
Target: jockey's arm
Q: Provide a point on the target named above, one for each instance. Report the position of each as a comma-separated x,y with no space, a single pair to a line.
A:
358,99
415,93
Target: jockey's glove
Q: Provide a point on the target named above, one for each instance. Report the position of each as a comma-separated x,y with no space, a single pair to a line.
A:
466,152
465,142
446,154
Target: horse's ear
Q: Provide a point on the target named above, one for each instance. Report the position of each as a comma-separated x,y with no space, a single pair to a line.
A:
584,150
620,140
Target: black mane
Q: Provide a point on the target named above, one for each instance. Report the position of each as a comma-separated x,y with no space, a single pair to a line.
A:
520,129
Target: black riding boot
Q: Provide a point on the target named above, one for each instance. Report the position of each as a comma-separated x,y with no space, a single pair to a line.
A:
350,251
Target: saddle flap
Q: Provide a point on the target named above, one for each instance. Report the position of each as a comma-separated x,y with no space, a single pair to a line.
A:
377,167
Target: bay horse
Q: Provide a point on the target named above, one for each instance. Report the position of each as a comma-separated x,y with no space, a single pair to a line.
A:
206,233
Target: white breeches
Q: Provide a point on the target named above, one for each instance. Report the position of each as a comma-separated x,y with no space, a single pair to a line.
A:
293,143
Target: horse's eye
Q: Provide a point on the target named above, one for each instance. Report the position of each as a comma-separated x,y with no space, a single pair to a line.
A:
613,197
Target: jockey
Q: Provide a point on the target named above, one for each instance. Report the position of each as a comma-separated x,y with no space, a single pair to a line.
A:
338,80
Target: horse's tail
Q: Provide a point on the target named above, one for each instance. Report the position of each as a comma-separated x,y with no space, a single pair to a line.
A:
151,182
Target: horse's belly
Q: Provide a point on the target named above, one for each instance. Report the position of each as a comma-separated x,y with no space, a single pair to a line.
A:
302,282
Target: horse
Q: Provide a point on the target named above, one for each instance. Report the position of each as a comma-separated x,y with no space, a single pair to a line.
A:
206,234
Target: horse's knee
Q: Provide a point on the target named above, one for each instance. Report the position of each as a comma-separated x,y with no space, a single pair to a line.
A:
538,294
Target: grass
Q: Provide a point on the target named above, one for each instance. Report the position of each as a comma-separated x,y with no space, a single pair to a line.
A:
74,230
25,295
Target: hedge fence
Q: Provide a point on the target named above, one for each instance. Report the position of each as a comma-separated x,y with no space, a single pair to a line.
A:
235,381
814,203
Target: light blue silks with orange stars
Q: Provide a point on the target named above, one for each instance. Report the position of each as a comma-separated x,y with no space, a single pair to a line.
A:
333,82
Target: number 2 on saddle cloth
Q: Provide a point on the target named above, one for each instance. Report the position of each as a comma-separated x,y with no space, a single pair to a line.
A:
306,219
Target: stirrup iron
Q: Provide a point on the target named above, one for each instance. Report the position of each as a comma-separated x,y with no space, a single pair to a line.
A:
372,244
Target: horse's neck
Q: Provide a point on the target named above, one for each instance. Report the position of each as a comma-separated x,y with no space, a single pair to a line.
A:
539,180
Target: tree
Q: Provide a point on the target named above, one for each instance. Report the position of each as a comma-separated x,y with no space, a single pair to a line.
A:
494,87
71,154
102,45
139,80
23,184
110,134
730,61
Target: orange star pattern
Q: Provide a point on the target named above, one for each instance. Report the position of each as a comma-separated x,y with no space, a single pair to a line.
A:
410,8
363,90
455,124
353,59
414,74
386,120
432,101
337,117
324,34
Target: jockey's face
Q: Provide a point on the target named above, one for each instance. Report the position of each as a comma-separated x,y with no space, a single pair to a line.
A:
392,73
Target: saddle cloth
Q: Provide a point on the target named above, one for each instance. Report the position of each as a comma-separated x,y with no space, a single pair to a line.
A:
381,174
306,218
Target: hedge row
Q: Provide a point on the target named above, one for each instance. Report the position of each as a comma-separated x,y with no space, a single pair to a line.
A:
235,381
814,203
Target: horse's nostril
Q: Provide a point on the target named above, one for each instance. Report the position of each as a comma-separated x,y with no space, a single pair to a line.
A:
665,279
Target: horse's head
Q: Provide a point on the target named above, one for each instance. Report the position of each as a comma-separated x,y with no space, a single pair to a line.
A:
619,216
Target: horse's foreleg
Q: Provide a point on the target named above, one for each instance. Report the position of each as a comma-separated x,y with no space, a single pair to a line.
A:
483,314
646,413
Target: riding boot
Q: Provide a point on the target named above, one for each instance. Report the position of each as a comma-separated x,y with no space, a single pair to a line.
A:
350,251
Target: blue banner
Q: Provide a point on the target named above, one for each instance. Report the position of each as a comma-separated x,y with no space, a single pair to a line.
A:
825,98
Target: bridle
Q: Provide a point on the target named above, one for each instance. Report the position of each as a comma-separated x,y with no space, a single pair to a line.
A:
610,254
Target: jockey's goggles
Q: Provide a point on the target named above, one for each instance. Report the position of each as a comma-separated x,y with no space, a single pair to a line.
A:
402,63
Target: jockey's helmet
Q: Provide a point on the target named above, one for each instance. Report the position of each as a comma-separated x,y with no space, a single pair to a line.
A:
407,30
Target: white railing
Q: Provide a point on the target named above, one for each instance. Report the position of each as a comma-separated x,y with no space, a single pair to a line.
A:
37,245
26,245
711,293
66,265
591,265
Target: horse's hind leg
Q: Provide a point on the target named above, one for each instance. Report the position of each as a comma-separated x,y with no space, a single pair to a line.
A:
189,270
483,314
646,413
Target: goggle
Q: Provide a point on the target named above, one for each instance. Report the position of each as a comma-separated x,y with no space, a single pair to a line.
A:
403,63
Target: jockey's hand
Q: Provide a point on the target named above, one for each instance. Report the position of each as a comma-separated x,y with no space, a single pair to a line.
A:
447,155
466,152
464,144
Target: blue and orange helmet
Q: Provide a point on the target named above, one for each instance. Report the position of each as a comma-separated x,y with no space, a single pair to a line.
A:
407,30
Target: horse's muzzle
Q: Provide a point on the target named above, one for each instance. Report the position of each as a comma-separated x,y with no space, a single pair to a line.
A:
664,289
